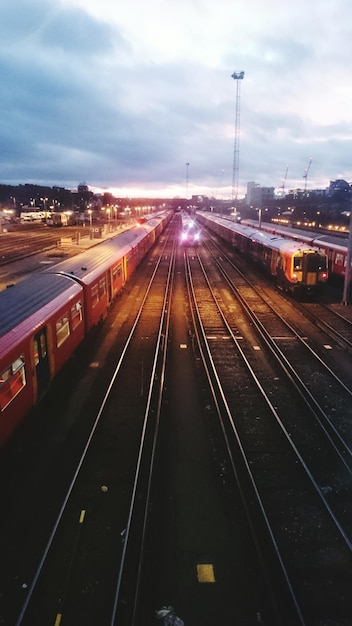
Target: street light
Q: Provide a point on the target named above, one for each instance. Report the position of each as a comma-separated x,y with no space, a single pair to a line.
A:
346,284
90,217
44,201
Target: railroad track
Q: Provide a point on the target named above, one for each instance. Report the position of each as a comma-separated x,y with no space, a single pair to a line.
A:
295,464
18,245
83,555
308,362
287,555
334,321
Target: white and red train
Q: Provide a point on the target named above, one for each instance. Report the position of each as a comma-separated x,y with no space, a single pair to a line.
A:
296,267
44,318
335,247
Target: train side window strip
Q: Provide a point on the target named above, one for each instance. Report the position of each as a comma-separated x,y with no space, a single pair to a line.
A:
36,352
76,315
12,381
62,330
102,288
95,296
116,272
43,349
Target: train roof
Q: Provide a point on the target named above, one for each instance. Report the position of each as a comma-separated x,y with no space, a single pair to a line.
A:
89,264
29,297
314,238
331,241
272,240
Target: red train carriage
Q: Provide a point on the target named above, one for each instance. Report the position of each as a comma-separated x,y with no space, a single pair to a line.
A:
335,247
296,267
44,318
100,274
41,324
104,269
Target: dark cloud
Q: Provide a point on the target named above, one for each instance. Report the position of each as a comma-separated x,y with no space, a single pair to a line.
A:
80,100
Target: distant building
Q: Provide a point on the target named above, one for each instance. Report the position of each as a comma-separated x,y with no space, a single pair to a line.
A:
338,186
258,196
82,188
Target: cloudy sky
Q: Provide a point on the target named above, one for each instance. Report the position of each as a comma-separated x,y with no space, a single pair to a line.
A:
121,94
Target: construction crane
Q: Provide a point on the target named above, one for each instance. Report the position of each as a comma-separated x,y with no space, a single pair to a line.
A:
284,182
305,175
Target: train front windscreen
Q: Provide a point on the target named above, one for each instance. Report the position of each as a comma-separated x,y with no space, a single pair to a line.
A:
190,234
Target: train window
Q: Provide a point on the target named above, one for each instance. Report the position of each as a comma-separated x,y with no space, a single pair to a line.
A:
297,263
102,288
116,272
36,352
339,259
316,263
95,295
12,380
62,330
76,315
43,349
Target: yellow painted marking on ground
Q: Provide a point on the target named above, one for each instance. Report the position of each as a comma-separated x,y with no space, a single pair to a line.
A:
58,619
183,345
256,347
81,517
205,573
327,346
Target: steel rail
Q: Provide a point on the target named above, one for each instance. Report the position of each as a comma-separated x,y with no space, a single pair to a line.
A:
32,586
330,430
155,389
219,397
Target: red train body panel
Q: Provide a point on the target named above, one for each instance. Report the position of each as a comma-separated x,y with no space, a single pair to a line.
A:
44,318
46,326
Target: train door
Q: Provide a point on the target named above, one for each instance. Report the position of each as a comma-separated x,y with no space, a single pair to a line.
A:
110,290
311,268
41,361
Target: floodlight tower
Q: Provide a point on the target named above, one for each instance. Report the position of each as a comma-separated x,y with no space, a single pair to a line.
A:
237,76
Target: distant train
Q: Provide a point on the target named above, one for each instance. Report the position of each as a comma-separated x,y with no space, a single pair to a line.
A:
190,233
333,246
58,219
44,318
297,268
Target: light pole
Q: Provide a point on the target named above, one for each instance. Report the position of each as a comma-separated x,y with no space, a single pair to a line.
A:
90,218
237,76
44,200
187,179
347,279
